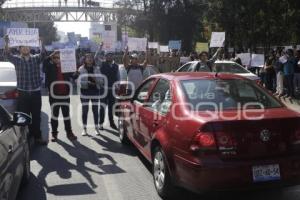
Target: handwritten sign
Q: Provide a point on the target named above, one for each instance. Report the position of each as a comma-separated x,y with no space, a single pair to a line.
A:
201,47
137,44
257,60
217,39
245,58
23,37
67,60
175,44
164,49
153,45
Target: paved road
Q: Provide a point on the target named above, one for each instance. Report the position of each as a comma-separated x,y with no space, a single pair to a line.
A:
100,168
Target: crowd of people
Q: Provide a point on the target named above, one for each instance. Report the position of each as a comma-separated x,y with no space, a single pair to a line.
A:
98,76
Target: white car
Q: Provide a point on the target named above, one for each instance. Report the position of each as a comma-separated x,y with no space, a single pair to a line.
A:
8,86
220,66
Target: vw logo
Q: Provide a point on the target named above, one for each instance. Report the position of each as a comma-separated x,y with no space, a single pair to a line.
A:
265,135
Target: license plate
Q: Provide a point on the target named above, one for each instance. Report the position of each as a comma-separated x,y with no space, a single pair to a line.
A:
266,173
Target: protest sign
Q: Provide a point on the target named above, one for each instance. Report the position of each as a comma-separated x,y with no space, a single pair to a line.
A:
109,40
137,44
58,45
72,38
164,49
184,60
217,39
283,59
175,44
230,50
49,48
258,60
153,45
200,46
68,60
2,43
245,58
288,47
298,47
84,42
23,37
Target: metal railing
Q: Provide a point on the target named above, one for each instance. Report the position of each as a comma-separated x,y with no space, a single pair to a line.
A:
57,3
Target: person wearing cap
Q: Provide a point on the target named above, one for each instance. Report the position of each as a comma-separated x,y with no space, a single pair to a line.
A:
134,70
208,63
110,70
28,85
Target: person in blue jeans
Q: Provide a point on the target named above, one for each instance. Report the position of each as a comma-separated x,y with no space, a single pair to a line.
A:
289,70
90,84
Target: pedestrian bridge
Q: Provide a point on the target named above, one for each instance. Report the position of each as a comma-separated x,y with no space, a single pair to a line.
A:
64,10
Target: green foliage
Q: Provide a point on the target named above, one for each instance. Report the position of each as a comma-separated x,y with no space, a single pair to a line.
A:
47,31
248,23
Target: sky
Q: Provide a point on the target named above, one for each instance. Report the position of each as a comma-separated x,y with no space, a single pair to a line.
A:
77,27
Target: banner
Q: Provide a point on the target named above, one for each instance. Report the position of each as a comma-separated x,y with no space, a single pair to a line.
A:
288,47
175,44
245,58
217,39
68,60
201,47
23,37
58,45
153,45
137,44
258,60
164,49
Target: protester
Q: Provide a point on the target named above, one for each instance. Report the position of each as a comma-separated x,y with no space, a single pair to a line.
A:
59,94
289,70
29,86
297,72
270,76
278,67
90,83
208,63
110,70
135,70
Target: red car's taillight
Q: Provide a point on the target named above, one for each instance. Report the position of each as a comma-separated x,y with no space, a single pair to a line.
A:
13,94
204,141
226,141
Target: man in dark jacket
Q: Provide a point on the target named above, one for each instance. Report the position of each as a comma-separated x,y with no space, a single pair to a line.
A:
59,94
110,70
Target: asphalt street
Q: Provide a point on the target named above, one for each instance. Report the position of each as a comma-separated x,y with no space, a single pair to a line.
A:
100,168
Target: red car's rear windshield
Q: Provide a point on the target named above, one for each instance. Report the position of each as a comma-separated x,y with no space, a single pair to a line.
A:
233,94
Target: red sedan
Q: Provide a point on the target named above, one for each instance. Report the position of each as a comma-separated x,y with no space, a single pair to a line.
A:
207,131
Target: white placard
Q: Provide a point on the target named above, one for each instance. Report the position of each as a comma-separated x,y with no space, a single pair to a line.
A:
137,44
258,60
67,60
245,58
298,47
164,49
217,39
283,59
153,45
288,47
109,40
184,60
23,37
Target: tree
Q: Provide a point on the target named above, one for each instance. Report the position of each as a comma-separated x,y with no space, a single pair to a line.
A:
47,31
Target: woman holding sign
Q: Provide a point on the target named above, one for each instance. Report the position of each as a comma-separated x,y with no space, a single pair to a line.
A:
90,83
